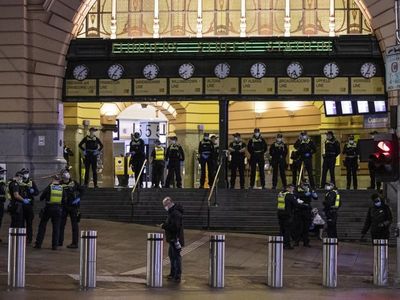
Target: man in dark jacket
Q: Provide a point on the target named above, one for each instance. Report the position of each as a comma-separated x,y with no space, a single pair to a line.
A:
332,150
206,157
379,218
175,158
173,227
91,147
286,203
137,150
331,204
306,148
257,146
278,152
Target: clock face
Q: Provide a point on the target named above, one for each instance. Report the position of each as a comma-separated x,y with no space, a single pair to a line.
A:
258,70
368,70
222,70
151,71
331,70
294,70
80,72
115,71
186,70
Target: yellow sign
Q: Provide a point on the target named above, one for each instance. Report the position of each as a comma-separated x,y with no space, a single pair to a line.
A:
155,87
253,86
326,86
80,88
227,86
108,87
364,86
119,165
299,86
192,86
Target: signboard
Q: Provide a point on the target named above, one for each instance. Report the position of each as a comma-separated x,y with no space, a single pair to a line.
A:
80,88
299,86
119,163
253,86
192,86
364,86
108,87
336,86
376,121
227,86
41,140
155,87
392,66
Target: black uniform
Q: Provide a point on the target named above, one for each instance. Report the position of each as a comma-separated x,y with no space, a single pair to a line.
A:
278,152
332,150
303,217
15,207
331,204
136,148
286,204
28,190
306,148
174,157
237,162
372,170
296,165
379,220
206,157
158,165
257,148
67,152
92,148
351,151
3,187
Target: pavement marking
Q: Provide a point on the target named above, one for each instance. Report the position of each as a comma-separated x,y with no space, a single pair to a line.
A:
103,278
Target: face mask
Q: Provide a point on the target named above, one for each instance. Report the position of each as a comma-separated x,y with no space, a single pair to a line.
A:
305,137
257,134
173,142
66,176
26,176
206,138
328,187
329,137
279,140
19,179
378,203
166,208
237,139
351,141
91,134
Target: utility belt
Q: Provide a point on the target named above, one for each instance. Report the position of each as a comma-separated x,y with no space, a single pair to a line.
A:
351,156
330,153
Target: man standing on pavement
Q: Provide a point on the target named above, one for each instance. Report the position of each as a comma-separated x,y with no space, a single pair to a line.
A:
379,218
136,148
331,204
158,164
257,147
286,203
91,147
175,158
16,202
351,151
206,157
332,150
278,152
306,148
237,150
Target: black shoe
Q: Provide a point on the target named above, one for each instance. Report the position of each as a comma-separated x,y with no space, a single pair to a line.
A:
37,246
288,247
296,244
307,245
370,188
177,279
170,277
201,187
96,186
274,187
72,246
60,244
263,188
348,187
1,240
54,248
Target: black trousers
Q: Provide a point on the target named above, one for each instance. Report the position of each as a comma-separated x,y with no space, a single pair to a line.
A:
136,165
210,166
72,212
254,161
328,165
237,164
331,219
285,228
175,261
307,165
351,171
302,226
90,163
371,169
17,216
28,220
52,212
295,170
1,212
158,173
174,169
278,166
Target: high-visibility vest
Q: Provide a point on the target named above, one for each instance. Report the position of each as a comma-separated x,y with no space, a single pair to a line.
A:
28,184
159,153
56,193
337,200
281,200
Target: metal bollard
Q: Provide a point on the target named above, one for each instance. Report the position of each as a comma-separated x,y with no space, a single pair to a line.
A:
329,262
88,262
154,268
275,262
16,257
217,261
381,263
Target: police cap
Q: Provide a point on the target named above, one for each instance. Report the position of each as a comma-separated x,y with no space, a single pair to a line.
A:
279,135
256,130
237,134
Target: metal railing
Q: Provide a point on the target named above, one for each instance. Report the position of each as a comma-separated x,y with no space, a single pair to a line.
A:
213,188
138,181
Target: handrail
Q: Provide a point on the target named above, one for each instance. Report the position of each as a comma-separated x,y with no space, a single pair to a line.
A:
300,173
138,179
213,185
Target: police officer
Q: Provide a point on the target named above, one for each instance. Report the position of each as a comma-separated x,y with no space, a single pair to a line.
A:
237,150
351,151
257,148
295,166
372,168
53,194
3,189
331,204
91,147
67,152
206,157
175,158
136,148
278,152
15,208
158,164
214,140
71,202
306,148
286,203
379,218
28,190
332,150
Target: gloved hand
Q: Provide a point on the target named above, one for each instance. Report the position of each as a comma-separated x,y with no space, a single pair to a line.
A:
84,152
307,154
31,191
314,194
26,201
307,194
182,163
133,153
300,201
96,152
76,201
380,225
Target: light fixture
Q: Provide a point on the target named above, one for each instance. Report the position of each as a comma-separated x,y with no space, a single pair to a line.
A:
109,109
259,107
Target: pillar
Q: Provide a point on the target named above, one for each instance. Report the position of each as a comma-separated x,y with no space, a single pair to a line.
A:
287,24
223,141
108,154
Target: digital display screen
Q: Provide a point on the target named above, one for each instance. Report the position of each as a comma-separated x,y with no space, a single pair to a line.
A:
330,108
347,107
380,106
362,107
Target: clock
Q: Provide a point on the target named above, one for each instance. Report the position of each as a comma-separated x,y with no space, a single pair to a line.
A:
294,70
258,70
115,71
222,70
151,71
186,70
80,72
368,70
331,70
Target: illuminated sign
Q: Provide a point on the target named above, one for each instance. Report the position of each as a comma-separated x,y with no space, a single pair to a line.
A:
364,86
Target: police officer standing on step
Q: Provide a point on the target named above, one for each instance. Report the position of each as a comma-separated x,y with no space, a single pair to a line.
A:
158,164
257,148
206,157
15,207
351,151
295,166
306,148
3,189
175,158
53,194
372,169
237,150
136,148
91,147
278,152
332,150
331,204
214,140
286,203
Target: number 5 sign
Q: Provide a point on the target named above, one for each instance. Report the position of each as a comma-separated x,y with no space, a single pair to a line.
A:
392,68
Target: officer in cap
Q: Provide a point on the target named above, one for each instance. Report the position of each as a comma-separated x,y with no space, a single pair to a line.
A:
3,190
332,150
257,148
331,204
136,148
351,151
158,164
237,150
278,152
15,208
175,157
214,140
306,148
206,157
372,168
285,210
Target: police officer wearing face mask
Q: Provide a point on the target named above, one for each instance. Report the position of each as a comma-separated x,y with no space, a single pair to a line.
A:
91,147
3,188
214,140
175,158
15,208
278,152
351,151
287,201
331,204
379,218
206,157
306,148
332,150
136,148
372,169
158,164
237,150
295,166
257,147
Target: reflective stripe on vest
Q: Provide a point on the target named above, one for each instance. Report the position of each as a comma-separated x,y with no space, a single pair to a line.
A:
337,200
281,200
28,184
159,151
56,192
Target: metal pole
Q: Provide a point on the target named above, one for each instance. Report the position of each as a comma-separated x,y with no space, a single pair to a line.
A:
275,262
217,261
381,263
329,262
16,257
154,268
88,257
